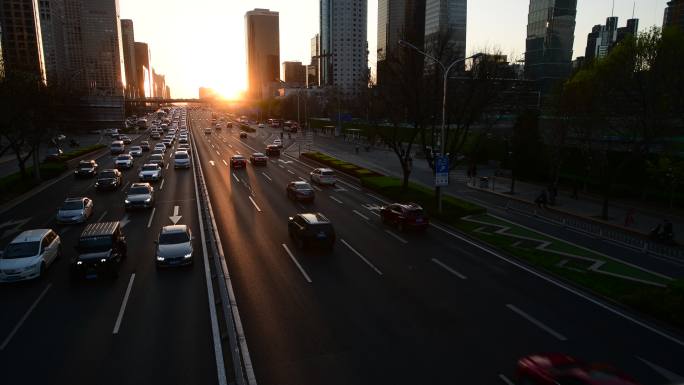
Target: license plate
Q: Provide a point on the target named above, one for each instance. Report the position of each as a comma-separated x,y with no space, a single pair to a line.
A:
321,236
91,276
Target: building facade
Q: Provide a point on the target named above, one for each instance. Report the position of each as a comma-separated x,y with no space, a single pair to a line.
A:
344,46
128,41
294,73
143,70
262,31
52,21
312,75
603,38
550,38
674,14
445,28
399,20
22,41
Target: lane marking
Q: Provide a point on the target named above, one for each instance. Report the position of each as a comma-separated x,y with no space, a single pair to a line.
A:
302,179
102,216
671,376
238,152
361,215
449,269
126,185
254,203
281,166
267,177
536,322
506,380
224,162
211,162
230,145
397,237
361,256
117,325
336,200
378,199
218,153
167,166
149,222
301,269
161,185
24,317
562,286
236,178
290,171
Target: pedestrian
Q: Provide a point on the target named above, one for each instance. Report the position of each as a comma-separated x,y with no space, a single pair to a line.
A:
629,218
541,199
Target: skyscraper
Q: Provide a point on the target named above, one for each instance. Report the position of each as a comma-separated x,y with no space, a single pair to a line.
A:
398,20
294,73
52,19
674,14
143,70
446,18
344,48
603,38
312,75
550,37
262,31
22,41
128,41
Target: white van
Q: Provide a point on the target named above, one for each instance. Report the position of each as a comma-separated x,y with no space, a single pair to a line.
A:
117,147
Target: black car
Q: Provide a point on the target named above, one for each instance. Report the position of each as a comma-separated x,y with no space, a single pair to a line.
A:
243,134
311,230
272,150
101,248
300,191
86,168
108,180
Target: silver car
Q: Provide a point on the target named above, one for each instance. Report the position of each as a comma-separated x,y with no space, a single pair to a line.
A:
181,159
140,195
135,151
174,246
75,210
124,161
150,171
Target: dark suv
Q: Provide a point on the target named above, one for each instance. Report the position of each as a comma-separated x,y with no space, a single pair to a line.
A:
108,180
311,230
101,248
86,168
405,216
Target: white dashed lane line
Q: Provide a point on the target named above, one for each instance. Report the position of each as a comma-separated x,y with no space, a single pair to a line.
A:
449,269
361,215
536,322
353,250
397,237
336,200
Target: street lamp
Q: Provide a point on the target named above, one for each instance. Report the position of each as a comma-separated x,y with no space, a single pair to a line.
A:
445,76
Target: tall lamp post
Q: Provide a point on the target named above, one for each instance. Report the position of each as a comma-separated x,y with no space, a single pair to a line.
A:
445,78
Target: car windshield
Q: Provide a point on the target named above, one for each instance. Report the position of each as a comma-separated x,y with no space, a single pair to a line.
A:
136,148
173,238
327,173
21,250
94,244
302,186
150,168
414,213
85,165
156,157
181,155
122,157
107,174
72,205
138,191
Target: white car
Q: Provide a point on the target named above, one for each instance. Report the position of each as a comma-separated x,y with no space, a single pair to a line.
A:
135,151
123,161
160,146
29,254
278,143
261,125
323,176
183,139
150,171
75,210
181,159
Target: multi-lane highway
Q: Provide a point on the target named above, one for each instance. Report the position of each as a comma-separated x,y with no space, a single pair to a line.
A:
146,327
389,307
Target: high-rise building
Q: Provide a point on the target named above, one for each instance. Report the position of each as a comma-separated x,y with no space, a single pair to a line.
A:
143,70
52,21
262,31
550,37
344,46
674,14
603,38
446,20
294,73
159,84
399,20
22,41
312,70
128,41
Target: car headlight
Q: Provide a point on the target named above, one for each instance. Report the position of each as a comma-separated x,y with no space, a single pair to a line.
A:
127,201
148,200
160,259
79,262
186,256
103,260
140,175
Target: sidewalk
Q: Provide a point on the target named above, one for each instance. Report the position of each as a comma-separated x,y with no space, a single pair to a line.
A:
385,161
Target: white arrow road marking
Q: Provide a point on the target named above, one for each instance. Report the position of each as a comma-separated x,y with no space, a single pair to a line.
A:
15,226
211,162
670,376
175,218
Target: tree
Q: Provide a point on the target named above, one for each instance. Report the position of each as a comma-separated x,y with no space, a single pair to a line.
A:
621,106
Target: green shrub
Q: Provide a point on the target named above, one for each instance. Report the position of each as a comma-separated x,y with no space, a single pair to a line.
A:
80,152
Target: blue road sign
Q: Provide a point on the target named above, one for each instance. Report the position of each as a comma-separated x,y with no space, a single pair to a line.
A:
442,171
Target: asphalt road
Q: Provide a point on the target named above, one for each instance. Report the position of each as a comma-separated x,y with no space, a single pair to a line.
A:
386,307
54,331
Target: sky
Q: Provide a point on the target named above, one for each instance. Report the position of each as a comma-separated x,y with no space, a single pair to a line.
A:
201,42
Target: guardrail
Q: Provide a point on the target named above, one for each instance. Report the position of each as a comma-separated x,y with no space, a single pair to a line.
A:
594,229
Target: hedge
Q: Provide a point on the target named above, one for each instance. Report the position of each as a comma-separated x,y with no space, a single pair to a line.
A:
80,152
340,165
247,128
14,185
452,208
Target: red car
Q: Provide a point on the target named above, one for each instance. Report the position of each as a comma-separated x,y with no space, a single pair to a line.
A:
258,159
558,368
238,161
405,216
